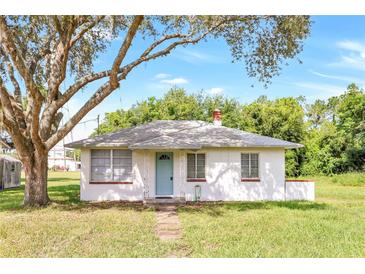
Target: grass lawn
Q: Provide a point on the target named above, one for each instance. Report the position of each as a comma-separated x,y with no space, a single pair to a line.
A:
332,226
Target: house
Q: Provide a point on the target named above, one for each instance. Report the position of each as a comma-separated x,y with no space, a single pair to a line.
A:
62,158
187,160
10,172
6,144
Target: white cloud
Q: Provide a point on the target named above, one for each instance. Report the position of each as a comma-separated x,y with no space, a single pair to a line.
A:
175,81
194,57
338,77
325,89
162,76
352,46
216,91
354,57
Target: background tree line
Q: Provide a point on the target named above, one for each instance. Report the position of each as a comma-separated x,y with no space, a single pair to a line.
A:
333,130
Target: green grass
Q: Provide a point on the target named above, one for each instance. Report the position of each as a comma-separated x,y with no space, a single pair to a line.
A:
70,228
349,179
332,226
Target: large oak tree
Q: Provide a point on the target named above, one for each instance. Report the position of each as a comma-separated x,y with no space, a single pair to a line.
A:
38,54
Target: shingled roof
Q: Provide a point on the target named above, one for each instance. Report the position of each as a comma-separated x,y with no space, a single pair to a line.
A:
168,134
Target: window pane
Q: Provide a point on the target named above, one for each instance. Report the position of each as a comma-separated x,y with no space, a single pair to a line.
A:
191,159
100,165
255,160
254,172
100,153
254,165
245,158
122,153
122,165
200,166
245,172
100,174
191,165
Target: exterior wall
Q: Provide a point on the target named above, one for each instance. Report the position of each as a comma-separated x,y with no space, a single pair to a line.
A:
10,173
111,192
223,178
299,190
223,175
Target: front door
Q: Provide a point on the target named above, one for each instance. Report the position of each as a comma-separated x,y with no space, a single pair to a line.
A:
164,171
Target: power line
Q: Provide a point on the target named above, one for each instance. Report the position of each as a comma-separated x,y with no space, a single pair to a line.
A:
97,119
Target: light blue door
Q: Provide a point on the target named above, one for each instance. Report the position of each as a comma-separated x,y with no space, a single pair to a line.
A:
164,179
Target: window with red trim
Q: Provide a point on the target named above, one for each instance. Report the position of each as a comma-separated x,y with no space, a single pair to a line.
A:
111,165
196,166
249,166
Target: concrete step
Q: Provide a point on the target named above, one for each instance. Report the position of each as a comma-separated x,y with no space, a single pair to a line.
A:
153,201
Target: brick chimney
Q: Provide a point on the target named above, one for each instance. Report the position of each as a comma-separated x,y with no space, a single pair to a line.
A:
217,117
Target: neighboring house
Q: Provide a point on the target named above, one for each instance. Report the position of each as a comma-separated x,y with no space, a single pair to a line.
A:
59,158
10,172
6,145
187,160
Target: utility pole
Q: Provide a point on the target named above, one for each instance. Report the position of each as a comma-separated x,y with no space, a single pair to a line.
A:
97,118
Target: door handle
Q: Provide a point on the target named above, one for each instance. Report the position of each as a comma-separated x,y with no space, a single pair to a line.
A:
171,178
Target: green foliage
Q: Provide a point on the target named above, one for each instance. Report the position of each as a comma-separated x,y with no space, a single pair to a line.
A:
335,142
332,131
281,118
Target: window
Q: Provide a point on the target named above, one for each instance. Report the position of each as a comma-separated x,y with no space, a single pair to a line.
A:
250,165
196,165
111,165
164,157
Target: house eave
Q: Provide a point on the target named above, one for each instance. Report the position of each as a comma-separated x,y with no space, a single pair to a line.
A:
136,147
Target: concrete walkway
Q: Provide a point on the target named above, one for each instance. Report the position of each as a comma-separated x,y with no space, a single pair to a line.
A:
168,223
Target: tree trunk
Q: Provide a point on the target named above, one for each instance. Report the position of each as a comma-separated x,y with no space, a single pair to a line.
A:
36,173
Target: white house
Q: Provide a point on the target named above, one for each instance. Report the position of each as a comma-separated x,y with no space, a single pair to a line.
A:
59,158
187,160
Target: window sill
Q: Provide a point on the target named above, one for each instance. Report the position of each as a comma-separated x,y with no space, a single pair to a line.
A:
110,183
250,180
197,180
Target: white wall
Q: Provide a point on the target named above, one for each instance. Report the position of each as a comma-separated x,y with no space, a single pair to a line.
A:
223,178
110,192
297,190
223,174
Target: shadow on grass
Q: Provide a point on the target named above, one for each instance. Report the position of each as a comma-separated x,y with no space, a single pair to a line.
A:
67,197
218,208
63,197
63,179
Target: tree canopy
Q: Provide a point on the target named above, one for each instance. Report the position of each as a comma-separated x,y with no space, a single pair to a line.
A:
41,54
332,130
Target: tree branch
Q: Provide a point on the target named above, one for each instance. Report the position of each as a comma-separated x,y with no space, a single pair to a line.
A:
106,89
86,29
16,101
124,49
17,91
11,113
17,58
18,61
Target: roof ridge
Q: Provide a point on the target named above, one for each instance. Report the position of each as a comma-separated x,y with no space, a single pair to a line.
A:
169,134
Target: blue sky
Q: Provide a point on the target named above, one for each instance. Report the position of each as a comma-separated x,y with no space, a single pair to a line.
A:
333,57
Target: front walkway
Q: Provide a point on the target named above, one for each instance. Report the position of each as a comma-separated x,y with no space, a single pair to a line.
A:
168,223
